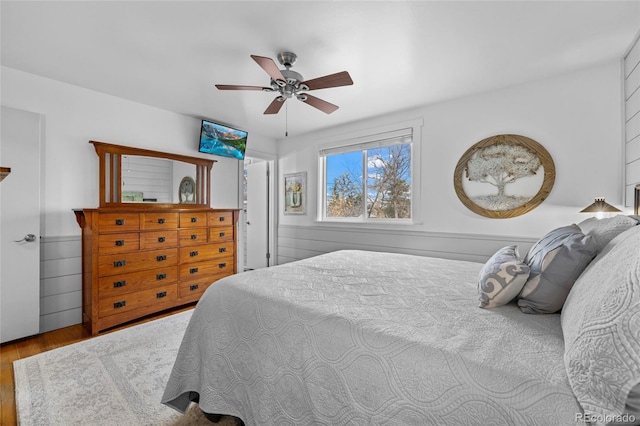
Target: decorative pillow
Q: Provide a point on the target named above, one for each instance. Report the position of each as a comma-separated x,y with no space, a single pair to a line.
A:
502,278
601,327
605,230
555,261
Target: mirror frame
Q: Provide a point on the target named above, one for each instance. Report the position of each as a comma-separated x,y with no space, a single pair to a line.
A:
110,157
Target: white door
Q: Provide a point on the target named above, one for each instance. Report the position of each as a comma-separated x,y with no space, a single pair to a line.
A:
20,225
257,215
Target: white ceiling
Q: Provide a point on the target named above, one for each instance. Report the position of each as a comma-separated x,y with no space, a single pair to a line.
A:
400,54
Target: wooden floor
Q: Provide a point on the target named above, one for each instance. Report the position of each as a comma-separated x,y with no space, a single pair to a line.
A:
23,348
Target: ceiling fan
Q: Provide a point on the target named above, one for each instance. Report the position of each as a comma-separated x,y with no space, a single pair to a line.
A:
289,83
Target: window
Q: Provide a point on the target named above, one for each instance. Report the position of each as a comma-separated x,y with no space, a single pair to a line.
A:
369,180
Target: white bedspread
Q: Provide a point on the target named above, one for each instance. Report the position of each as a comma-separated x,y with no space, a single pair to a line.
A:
364,338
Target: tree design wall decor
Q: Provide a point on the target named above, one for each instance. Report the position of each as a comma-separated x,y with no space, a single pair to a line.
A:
504,176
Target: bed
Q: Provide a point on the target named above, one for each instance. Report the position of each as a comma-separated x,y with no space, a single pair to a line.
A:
368,338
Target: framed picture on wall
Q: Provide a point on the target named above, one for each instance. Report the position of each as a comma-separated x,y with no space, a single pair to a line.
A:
295,193
504,176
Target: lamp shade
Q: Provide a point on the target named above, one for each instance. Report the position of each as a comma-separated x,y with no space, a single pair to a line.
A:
600,206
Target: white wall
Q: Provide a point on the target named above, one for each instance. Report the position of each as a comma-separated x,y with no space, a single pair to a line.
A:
576,117
632,120
75,115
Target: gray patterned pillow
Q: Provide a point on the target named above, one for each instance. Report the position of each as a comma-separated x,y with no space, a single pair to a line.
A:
601,327
502,278
605,230
556,261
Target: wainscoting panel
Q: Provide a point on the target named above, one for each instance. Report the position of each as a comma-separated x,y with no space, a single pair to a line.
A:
632,120
60,282
297,242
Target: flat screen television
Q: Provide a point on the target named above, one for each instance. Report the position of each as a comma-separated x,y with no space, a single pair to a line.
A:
222,140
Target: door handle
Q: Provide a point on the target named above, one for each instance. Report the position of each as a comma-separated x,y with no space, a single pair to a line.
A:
28,238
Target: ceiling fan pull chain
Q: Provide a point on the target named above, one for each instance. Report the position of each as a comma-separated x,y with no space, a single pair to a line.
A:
286,120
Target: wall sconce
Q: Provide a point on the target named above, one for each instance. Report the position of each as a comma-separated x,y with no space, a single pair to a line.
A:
600,207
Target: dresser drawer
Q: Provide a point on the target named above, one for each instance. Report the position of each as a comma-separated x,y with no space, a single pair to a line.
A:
158,239
196,288
193,219
192,237
128,302
206,252
193,288
193,271
134,281
118,243
118,222
130,262
221,234
221,219
158,220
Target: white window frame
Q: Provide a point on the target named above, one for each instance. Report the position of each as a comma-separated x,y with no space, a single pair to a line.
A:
368,139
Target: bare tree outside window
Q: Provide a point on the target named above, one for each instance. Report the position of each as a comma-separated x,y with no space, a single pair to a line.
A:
389,189
385,193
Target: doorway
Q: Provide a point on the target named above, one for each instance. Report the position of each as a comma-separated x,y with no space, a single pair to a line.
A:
257,225
20,145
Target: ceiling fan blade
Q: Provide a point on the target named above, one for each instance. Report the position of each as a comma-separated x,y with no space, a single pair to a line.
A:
238,87
323,106
332,80
275,105
269,66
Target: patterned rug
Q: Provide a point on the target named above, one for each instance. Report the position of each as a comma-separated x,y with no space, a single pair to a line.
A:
113,379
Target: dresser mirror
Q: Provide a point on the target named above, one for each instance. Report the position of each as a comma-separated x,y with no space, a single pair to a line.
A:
135,176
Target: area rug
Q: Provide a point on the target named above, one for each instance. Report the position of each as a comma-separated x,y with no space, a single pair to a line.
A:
113,379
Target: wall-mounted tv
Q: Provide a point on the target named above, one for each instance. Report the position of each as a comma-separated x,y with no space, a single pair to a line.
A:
222,140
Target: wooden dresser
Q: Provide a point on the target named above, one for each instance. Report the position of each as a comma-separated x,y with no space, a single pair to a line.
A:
142,253
140,261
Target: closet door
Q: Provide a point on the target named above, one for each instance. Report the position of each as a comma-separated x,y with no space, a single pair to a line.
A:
20,225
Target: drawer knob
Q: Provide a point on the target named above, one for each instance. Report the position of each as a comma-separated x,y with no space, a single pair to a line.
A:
120,304
119,222
193,270
119,243
194,236
161,220
193,253
222,249
221,218
222,234
161,239
161,257
194,219
222,265
160,277
161,294
193,287
119,263
118,284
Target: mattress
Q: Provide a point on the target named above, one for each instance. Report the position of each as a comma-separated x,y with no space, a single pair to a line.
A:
368,338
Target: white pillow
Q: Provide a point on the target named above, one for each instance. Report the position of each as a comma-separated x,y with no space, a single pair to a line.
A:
601,326
605,230
502,278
